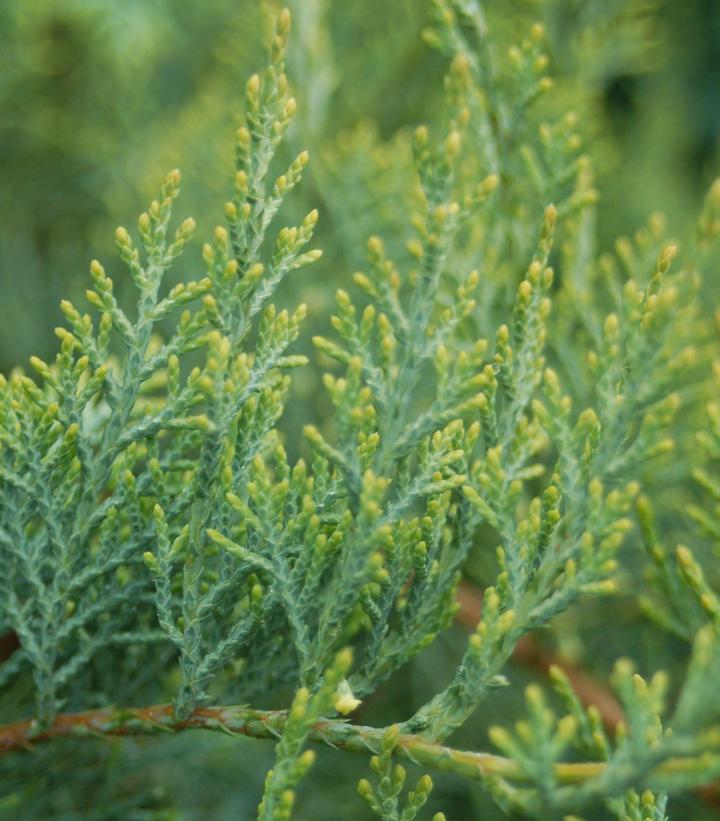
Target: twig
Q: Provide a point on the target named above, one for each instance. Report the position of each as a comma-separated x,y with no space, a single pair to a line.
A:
527,652
25,735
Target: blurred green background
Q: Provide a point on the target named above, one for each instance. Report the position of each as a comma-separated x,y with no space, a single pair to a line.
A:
99,99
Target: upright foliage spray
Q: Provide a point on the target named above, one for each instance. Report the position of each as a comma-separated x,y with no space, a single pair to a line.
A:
497,391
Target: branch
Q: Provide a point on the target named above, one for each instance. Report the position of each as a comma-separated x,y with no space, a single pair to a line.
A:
336,733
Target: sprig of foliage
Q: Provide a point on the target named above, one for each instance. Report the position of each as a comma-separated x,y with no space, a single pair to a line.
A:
458,423
384,800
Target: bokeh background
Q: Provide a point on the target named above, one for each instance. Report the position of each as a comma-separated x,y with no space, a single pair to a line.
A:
99,99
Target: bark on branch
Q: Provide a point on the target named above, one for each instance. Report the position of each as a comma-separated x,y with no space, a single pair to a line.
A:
336,733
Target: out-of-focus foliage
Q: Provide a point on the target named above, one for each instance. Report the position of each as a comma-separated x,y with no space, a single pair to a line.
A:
95,97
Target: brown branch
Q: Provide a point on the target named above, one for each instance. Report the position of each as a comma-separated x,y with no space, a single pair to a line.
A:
336,733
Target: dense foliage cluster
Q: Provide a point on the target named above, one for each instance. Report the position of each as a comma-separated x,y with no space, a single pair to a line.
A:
504,402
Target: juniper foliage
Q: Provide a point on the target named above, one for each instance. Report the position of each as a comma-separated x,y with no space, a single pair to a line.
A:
149,504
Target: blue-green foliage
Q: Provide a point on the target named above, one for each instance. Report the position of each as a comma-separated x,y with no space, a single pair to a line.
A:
149,504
